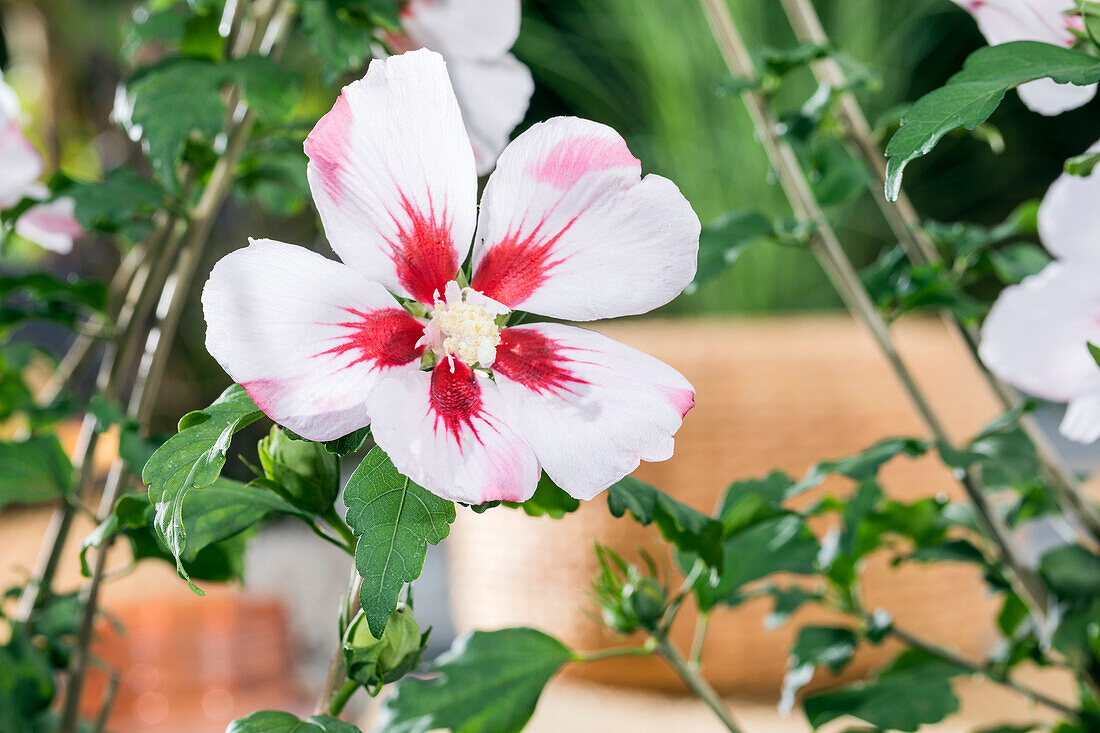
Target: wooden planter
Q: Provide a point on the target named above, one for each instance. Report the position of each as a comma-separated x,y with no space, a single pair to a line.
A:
771,393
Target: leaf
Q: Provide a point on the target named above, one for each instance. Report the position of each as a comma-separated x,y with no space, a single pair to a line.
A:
489,682
816,646
1083,164
779,544
689,530
1018,261
724,240
787,601
121,202
341,32
395,520
302,472
1094,351
33,471
863,465
549,499
349,443
181,96
26,682
191,459
270,721
970,96
41,296
914,691
749,502
1072,572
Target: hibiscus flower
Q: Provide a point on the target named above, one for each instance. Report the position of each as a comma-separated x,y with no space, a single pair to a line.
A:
465,405
474,37
1037,334
1002,21
51,224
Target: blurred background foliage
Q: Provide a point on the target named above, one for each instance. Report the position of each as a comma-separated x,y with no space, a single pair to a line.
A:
650,70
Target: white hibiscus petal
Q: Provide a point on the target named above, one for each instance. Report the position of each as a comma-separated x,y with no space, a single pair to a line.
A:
1069,217
472,29
1036,336
51,225
309,338
494,95
570,229
590,407
393,177
20,164
445,430
1082,420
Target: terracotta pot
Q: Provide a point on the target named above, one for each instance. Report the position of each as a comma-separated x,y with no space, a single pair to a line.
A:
771,393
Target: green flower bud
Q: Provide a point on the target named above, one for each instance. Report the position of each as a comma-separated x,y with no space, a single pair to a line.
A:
400,640
645,598
302,472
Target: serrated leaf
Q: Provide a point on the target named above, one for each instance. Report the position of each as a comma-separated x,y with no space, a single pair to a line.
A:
489,682
271,721
970,96
863,465
787,601
193,459
395,520
33,471
341,32
748,502
41,296
115,203
816,646
689,530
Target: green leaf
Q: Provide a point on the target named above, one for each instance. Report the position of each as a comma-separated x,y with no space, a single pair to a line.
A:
914,691
270,721
1082,165
549,500
41,296
26,682
33,471
1072,572
349,443
395,520
271,91
1094,351
816,646
749,502
724,240
489,682
971,95
1015,262
193,459
780,544
787,601
341,32
864,465
302,472
689,530
122,202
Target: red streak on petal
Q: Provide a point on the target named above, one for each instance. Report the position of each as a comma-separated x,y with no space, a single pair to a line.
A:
570,160
535,361
424,252
327,146
455,399
682,399
386,338
513,269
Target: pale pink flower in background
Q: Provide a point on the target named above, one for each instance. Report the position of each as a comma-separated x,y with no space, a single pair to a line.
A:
1036,336
51,224
1002,21
568,229
474,36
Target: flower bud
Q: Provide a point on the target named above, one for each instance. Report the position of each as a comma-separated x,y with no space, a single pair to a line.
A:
302,472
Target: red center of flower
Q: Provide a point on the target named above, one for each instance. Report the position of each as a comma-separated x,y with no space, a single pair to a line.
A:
455,398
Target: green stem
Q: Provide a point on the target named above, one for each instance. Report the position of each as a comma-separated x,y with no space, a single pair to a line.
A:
700,636
681,595
622,651
342,696
695,682
340,527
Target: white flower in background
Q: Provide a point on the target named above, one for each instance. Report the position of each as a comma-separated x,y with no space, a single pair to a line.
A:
471,411
1002,21
474,37
1036,336
51,224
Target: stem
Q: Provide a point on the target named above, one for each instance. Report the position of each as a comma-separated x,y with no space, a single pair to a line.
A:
340,701
674,605
337,676
844,278
108,702
620,651
697,684
340,527
1002,679
700,636
905,223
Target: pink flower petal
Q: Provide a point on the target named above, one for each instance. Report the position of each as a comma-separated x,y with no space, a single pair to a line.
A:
51,225
445,431
1003,21
1069,216
20,163
590,407
569,229
393,176
1036,336
494,96
471,29
309,338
